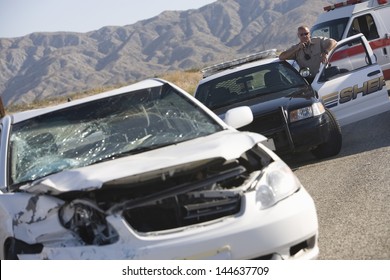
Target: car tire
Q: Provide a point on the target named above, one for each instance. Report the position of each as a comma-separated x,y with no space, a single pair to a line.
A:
331,147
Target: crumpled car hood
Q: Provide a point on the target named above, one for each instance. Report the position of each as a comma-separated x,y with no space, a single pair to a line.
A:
227,144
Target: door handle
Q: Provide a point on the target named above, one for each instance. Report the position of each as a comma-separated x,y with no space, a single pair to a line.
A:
374,73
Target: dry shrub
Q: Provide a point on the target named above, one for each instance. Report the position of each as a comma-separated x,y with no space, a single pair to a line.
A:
186,80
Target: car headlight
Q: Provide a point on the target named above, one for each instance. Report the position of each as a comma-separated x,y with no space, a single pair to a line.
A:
276,183
88,222
307,112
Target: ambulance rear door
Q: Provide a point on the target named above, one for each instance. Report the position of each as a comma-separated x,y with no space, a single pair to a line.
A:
352,84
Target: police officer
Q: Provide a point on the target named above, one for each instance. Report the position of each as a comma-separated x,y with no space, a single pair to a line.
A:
309,52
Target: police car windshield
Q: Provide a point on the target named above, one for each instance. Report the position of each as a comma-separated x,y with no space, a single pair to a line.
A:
250,83
331,29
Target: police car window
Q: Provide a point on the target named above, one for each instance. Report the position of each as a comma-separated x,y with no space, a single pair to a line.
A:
348,57
364,24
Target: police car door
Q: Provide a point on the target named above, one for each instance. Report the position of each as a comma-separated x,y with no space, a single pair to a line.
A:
351,84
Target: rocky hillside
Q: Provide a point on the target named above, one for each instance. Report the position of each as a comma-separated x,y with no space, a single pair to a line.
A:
44,65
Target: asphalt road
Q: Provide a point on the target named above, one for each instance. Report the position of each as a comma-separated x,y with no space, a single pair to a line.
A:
352,192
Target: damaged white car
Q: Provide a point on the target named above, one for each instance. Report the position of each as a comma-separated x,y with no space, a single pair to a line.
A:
146,172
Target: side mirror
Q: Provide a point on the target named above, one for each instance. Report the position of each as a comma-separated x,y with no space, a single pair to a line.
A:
238,117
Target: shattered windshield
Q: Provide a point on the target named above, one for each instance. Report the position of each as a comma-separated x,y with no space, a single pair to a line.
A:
104,129
268,81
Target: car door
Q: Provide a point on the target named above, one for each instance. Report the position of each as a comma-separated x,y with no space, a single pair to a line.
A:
371,25
352,84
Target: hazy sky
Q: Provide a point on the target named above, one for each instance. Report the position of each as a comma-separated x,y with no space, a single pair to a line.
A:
22,17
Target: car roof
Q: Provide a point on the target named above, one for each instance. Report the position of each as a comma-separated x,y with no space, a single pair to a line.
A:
148,83
222,69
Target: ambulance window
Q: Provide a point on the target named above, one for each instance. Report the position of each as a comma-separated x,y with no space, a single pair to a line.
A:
348,57
364,24
331,29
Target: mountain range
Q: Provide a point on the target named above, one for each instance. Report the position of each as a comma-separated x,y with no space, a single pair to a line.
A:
45,65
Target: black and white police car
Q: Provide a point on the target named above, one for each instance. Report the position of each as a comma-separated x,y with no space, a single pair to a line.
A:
285,107
293,114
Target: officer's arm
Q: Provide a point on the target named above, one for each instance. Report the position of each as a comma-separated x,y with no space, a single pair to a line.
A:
329,45
290,53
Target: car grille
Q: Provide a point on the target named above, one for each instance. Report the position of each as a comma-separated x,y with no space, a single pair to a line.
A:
187,198
177,211
273,125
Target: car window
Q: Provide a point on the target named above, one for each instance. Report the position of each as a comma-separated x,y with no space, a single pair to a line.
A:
330,29
346,58
364,24
271,78
104,129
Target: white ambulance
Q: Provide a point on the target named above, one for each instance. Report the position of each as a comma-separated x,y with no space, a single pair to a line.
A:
372,18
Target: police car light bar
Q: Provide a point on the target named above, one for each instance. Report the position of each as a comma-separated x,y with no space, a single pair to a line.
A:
239,61
349,2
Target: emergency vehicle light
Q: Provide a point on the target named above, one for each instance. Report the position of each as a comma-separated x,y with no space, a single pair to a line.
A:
341,4
349,2
239,61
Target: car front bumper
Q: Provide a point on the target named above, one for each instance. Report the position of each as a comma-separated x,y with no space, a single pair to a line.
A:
288,230
309,133
288,137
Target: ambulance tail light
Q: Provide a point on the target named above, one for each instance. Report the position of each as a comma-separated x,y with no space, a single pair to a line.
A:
381,2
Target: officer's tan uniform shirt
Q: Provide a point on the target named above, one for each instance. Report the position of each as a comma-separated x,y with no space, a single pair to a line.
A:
314,50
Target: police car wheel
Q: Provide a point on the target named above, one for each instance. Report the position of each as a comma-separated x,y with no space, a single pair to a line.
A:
333,146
